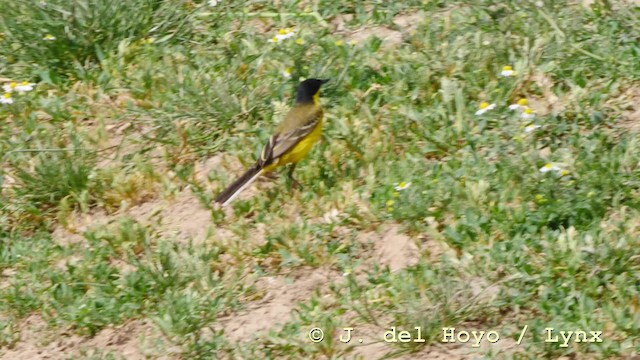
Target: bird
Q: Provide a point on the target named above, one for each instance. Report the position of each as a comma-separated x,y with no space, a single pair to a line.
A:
291,141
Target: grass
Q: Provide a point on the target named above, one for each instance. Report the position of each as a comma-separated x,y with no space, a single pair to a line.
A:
132,96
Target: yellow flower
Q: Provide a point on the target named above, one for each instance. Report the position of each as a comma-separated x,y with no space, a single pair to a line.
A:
339,43
49,37
390,203
299,41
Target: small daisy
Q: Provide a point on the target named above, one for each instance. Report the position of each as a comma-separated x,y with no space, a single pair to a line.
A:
24,86
520,105
49,37
484,107
353,43
507,71
531,128
287,72
213,3
550,167
402,186
6,99
10,86
528,114
564,172
299,41
283,34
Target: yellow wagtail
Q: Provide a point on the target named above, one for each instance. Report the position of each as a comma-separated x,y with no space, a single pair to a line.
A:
291,141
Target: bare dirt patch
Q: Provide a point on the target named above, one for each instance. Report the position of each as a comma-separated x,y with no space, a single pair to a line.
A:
390,247
183,218
549,102
396,250
135,340
629,102
6,277
404,24
281,295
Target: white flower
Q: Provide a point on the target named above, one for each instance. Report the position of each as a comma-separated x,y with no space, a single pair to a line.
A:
24,87
10,86
49,37
507,71
531,128
213,3
550,167
520,105
527,114
484,107
283,34
287,72
402,186
6,99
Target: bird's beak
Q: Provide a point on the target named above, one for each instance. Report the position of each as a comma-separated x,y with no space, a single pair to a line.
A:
324,81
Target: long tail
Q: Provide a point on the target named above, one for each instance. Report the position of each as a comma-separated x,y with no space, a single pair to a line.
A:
233,190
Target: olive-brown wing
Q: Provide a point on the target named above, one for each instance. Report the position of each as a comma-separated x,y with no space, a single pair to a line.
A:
297,124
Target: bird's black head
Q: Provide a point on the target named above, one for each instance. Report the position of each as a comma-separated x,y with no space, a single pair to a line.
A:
309,90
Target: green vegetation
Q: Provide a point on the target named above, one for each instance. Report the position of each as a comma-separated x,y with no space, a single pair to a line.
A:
131,98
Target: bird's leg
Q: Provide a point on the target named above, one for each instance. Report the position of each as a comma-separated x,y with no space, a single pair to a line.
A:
295,184
270,176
